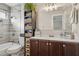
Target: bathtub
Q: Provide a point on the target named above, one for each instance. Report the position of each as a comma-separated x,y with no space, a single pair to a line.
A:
4,47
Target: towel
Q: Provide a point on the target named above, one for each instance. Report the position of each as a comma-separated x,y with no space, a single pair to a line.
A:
74,16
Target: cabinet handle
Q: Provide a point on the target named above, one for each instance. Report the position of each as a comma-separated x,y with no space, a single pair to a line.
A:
46,43
49,43
64,45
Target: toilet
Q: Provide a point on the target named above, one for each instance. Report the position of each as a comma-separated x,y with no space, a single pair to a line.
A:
15,48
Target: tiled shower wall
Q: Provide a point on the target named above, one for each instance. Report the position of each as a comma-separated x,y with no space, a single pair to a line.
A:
10,30
4,25
4,31
17,24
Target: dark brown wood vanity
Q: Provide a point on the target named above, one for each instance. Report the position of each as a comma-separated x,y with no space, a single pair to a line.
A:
42,47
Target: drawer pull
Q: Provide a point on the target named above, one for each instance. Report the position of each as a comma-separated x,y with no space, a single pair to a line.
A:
64,45
46,43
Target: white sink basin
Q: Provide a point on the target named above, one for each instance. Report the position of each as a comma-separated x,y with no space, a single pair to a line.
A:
56,39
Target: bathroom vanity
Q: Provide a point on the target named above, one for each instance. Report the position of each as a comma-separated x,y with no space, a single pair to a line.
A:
51,46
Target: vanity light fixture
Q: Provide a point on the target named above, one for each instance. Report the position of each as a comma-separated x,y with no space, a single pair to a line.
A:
50,6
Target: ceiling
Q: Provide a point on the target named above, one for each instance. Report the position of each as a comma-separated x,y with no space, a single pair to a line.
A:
13,4
16,6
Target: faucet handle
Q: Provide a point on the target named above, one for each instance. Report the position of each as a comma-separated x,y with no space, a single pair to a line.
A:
51,35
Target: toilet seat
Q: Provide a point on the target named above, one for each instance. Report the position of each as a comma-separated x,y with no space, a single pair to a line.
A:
14,48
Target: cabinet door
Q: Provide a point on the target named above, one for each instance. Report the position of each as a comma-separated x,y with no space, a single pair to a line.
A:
77,49
55,48
34,47
70,49
43,48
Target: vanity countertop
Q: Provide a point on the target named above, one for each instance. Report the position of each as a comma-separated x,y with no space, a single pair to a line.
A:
57,39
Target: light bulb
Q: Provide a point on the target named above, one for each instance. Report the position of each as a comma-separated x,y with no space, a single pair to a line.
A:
50,8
